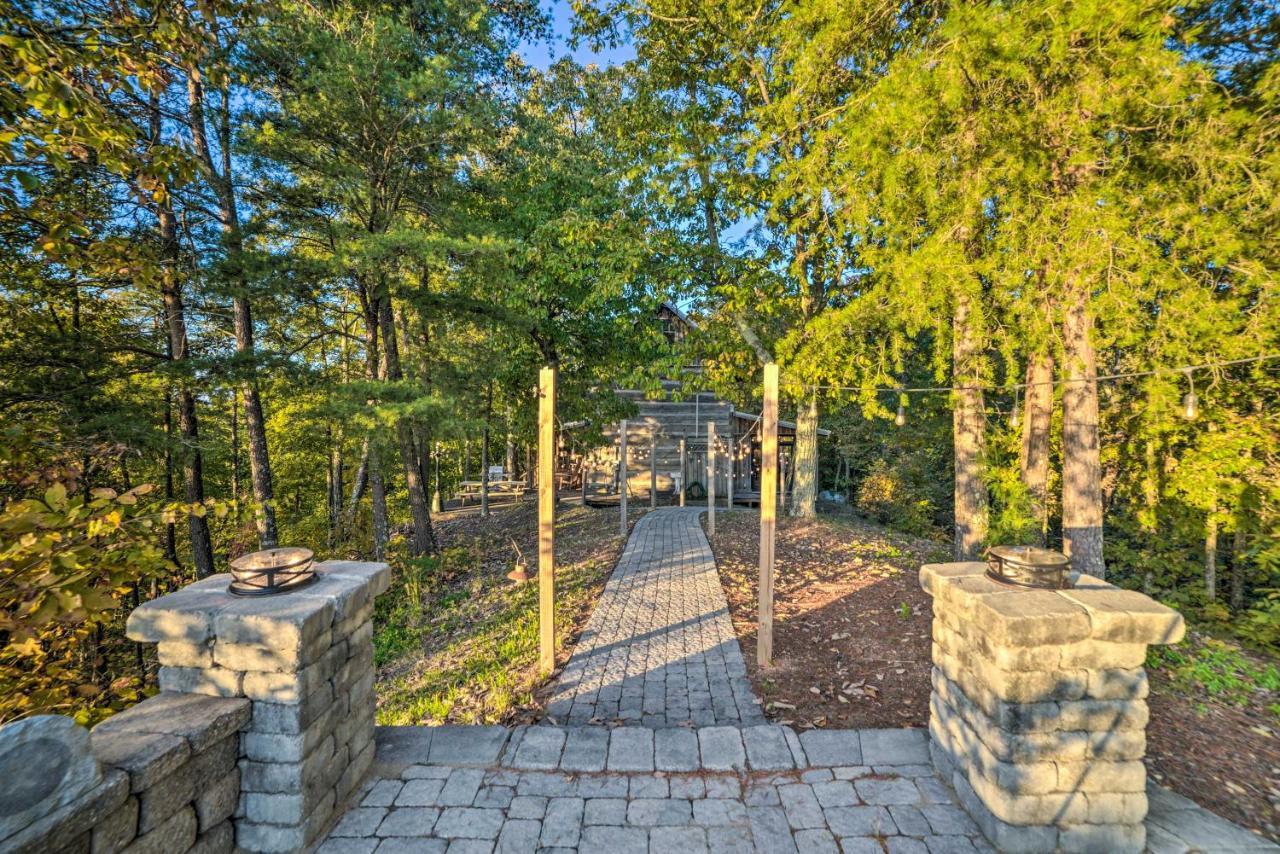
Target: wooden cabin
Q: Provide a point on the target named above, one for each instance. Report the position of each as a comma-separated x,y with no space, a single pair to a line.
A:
654,434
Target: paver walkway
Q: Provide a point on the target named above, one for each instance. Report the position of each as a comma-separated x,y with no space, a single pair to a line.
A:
660,652
659,649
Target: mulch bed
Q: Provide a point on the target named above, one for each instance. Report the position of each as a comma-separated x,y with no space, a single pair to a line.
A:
852,649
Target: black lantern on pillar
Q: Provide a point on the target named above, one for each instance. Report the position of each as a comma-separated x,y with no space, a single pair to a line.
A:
1029,566
272,571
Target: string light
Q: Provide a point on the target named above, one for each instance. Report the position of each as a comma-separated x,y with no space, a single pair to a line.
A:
1063,381
1014,417
901,418
1190,403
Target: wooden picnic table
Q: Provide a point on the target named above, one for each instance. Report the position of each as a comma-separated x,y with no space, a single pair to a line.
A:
472,488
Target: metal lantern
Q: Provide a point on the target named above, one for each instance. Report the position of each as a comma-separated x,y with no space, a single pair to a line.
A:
272,571
1029,566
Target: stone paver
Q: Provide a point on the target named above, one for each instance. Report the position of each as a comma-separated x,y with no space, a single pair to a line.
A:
660,652
659,649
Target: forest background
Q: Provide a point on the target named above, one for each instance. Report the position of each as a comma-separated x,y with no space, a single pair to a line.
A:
282,272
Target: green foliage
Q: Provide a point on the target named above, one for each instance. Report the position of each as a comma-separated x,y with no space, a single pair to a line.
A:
1216,669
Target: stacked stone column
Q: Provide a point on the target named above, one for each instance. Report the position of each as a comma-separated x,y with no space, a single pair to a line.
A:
1038,714
305,661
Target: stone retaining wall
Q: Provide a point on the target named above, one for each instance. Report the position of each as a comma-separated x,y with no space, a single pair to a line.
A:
1038,714
159,778
263,728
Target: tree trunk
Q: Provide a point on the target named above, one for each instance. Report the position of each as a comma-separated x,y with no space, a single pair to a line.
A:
1034,457
805,503
378,494
1239,543
229,218
1081,464
1211,556
484,452
176,326
969,431
235,445
424,538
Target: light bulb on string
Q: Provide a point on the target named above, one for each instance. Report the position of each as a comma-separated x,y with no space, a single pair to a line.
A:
901,418
1015,417
1190,402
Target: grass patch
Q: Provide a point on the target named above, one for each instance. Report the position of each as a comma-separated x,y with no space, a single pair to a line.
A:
1203,666
457,642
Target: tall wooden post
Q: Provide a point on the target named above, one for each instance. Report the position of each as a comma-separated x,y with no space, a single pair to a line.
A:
684,467
546,519
711,478
622,477
653,470
768,513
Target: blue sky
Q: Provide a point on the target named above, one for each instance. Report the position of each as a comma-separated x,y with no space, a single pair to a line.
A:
541,55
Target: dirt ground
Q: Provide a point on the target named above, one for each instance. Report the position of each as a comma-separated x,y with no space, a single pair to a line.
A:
852,649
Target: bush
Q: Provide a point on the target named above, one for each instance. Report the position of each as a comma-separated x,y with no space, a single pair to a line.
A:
884,496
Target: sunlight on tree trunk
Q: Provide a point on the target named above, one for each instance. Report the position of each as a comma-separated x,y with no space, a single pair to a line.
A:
1081,464
1034,457
969,425
805,502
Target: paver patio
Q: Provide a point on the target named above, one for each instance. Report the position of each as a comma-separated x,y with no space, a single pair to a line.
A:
689,765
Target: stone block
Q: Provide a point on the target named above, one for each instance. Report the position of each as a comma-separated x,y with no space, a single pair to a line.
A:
281,808
287,777
831,748
220,839
201,720
1117,684
213,681
1103,839
353,775
46,762
1101,777
147,757
243,656
217,802
1031,618
893,747
539,748
157,803
294,686
216,761
292,718
183,654
586,748
348,624
357,720
1117,807
116,830
285,747
350,593
1127,616
359,662
721,748
184,616
178,833
376,575
933,574
360,636
292,622
767,748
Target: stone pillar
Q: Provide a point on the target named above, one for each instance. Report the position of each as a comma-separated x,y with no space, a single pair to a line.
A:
1038,713
304,659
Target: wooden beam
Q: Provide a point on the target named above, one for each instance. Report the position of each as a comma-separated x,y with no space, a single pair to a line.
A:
547,519
711,478
768,513
653,470
622,477
684,468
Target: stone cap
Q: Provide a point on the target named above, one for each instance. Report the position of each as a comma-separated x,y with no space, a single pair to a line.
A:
205,610
1013,616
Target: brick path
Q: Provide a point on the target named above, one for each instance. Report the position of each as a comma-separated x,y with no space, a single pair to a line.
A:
659,649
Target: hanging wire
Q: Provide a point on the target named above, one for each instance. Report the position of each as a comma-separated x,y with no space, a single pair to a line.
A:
1186,369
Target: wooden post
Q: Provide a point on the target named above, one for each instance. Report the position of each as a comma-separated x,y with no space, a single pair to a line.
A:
768,513
684,466
546,519
622,477
653,471
711,478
